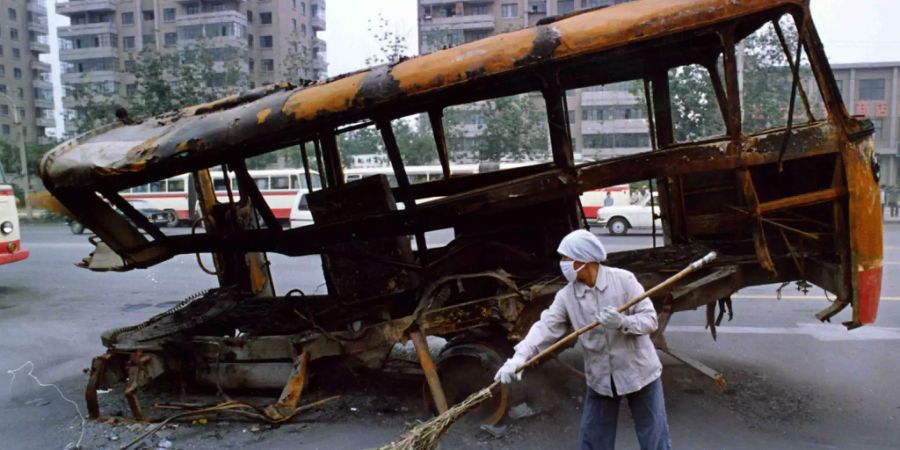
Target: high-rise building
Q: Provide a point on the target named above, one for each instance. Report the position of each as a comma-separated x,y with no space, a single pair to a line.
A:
871,89
26,88
606,120
267,35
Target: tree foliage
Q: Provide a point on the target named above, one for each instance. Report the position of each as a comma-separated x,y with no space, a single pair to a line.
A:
515,128
765,88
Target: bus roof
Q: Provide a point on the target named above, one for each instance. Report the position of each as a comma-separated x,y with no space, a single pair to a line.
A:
272,117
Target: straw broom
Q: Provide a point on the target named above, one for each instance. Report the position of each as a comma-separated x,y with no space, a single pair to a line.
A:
426,435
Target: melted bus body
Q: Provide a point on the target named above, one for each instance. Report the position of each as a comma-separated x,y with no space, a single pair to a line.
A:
789,197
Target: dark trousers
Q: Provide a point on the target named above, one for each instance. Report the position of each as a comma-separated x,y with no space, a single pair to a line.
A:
648,409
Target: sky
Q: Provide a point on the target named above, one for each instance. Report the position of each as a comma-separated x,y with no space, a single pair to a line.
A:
851,30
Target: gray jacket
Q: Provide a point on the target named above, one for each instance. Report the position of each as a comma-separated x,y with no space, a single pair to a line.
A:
626,353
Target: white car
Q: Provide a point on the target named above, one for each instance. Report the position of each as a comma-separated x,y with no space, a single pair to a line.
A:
619,219
300,214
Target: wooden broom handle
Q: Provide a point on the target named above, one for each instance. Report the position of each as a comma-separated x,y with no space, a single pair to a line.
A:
696,265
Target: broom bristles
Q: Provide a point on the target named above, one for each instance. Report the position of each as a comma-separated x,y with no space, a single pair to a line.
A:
426,435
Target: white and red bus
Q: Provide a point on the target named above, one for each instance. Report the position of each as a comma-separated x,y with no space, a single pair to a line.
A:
591,201
10,240
278,187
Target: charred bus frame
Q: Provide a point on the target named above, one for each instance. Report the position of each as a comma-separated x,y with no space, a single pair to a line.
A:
799,202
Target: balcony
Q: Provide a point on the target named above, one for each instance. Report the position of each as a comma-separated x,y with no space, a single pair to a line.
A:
36,6
90,77
47,140
320,44
40,66
41,83
81,6
45,122
318,21
39,47
76,54
87,28
43,103
211,17
473,22
39,25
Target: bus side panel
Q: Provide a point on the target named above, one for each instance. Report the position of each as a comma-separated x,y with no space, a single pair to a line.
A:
10,245
866,246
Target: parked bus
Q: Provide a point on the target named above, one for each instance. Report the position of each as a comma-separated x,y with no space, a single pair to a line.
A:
173,195
10,242
591,201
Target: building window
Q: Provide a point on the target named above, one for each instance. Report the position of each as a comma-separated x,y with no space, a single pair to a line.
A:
17,73
251,64
249,16
128,66
878,135
250,40
149,15
294,5
509,10
265,18
2,71
128,42
303,29
127,18
2,88
302,8
171,39
475,10
265,42
14,34
293,24
4,109
169,15
6,129
871,89
16,53
131,89
1,50
149,39
268,65
566,6
11,12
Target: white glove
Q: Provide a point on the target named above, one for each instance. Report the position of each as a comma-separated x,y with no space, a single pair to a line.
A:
610,319
507,372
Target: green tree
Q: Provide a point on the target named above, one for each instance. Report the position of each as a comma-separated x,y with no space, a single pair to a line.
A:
515,128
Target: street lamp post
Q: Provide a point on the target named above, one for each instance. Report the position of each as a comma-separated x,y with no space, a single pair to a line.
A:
22,151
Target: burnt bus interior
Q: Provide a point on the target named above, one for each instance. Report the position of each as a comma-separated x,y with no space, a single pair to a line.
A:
772,202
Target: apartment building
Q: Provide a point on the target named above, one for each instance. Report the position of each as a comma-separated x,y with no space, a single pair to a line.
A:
871,89
26,87
606,120
265,35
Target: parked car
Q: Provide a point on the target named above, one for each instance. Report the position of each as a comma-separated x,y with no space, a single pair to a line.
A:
620,219
155,215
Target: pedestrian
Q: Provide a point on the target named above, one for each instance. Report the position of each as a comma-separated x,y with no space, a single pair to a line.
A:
893,204
645,194
883,199
608,201
619,357
635,197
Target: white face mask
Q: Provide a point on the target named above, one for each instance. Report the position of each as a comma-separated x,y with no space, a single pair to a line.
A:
569,271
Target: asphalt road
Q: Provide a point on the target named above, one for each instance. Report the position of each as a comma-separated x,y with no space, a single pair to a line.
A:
792,382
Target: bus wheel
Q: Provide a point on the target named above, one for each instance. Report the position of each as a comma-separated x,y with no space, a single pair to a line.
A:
75,227
173,219
464,369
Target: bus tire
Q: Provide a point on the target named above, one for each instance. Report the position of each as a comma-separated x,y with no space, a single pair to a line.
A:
75,227
173,219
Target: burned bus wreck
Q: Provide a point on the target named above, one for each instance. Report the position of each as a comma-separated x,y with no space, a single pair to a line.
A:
794,202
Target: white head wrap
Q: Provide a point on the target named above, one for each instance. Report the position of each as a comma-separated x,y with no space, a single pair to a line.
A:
582,246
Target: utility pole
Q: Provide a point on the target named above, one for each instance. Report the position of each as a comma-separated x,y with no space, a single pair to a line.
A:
22,152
